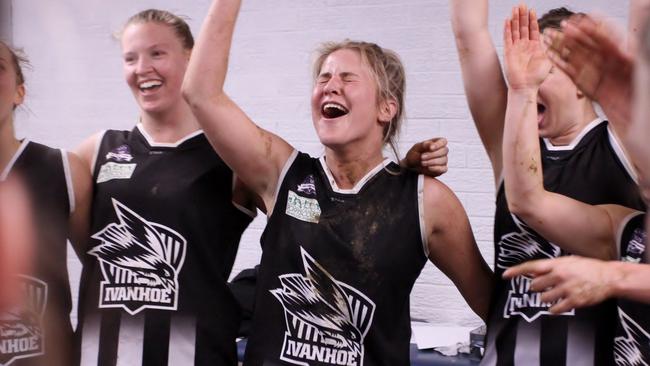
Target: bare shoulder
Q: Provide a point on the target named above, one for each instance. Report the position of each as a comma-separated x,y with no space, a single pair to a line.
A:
86,149
441,206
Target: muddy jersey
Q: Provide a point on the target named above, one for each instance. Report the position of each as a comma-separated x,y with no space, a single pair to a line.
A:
521,331
164,237
337,269
39,332
632,342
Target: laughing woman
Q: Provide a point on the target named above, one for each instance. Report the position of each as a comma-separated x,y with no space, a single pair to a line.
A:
348,233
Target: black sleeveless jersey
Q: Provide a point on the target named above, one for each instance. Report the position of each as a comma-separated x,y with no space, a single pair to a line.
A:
39,332
632,342
520,329
337,269
164,237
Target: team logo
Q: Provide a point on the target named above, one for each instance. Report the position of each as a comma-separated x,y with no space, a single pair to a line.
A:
140,262
308,187
632,349
326,320
21,331
516,248
120,153
635,247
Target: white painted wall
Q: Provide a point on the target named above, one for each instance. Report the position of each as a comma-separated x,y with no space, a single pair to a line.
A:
76,88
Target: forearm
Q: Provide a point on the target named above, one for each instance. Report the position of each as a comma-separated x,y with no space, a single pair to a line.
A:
630,281
639,12
522,166
208,66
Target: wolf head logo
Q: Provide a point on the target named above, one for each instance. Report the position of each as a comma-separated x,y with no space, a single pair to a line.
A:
323,303
138,246
525,245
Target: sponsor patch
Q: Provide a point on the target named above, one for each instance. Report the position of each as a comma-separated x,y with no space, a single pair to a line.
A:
303,208
326,320
21,329
120,153
111,170
140,262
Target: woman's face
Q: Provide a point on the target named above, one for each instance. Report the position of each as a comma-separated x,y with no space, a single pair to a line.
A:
154,63
11,95
344,101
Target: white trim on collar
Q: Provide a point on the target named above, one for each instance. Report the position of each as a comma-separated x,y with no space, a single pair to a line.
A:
11,162
153,143
357,187
576,140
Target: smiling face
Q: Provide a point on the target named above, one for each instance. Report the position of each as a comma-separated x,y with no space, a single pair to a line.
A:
344,102
154,63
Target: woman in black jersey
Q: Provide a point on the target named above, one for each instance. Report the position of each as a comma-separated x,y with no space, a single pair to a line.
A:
587,51
167,217
38,331
581,158
348,233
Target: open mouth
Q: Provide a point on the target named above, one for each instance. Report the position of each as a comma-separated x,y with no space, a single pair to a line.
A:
333,110
150,85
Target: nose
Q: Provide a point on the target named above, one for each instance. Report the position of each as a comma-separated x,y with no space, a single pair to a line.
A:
143,65
333,86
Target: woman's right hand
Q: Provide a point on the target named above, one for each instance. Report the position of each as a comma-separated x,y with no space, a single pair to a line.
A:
526,65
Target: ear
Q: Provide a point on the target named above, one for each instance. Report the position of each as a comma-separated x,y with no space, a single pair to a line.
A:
19,97
387,110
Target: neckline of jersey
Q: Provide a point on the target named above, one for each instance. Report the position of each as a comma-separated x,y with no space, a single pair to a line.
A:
360,184
14,158
175,144
576,140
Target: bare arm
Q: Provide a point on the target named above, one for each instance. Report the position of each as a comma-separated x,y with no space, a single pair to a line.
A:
485,86
576,227
452,247
639,13
257,156
80,217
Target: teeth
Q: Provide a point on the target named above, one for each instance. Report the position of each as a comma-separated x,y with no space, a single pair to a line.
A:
334,105
150,84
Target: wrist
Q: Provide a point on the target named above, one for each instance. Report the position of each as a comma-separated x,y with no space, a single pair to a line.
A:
616,273
524,90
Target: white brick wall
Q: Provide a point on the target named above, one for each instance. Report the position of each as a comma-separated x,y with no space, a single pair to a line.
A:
76,88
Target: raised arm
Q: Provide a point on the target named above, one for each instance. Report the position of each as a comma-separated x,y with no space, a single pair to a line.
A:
576,227
257,156
452,247
485,87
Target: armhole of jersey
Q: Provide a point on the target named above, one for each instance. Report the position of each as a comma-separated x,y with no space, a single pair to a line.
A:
13,160
68,180
621,228
423,234
283,173
501,181
100,137
621,154
248,211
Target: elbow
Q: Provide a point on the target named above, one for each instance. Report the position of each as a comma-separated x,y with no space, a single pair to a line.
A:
520,207
192,94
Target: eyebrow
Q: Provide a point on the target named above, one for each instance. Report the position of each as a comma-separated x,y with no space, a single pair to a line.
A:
342,74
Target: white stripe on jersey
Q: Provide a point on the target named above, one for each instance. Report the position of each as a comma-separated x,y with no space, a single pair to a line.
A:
90,340
182,340
129,347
